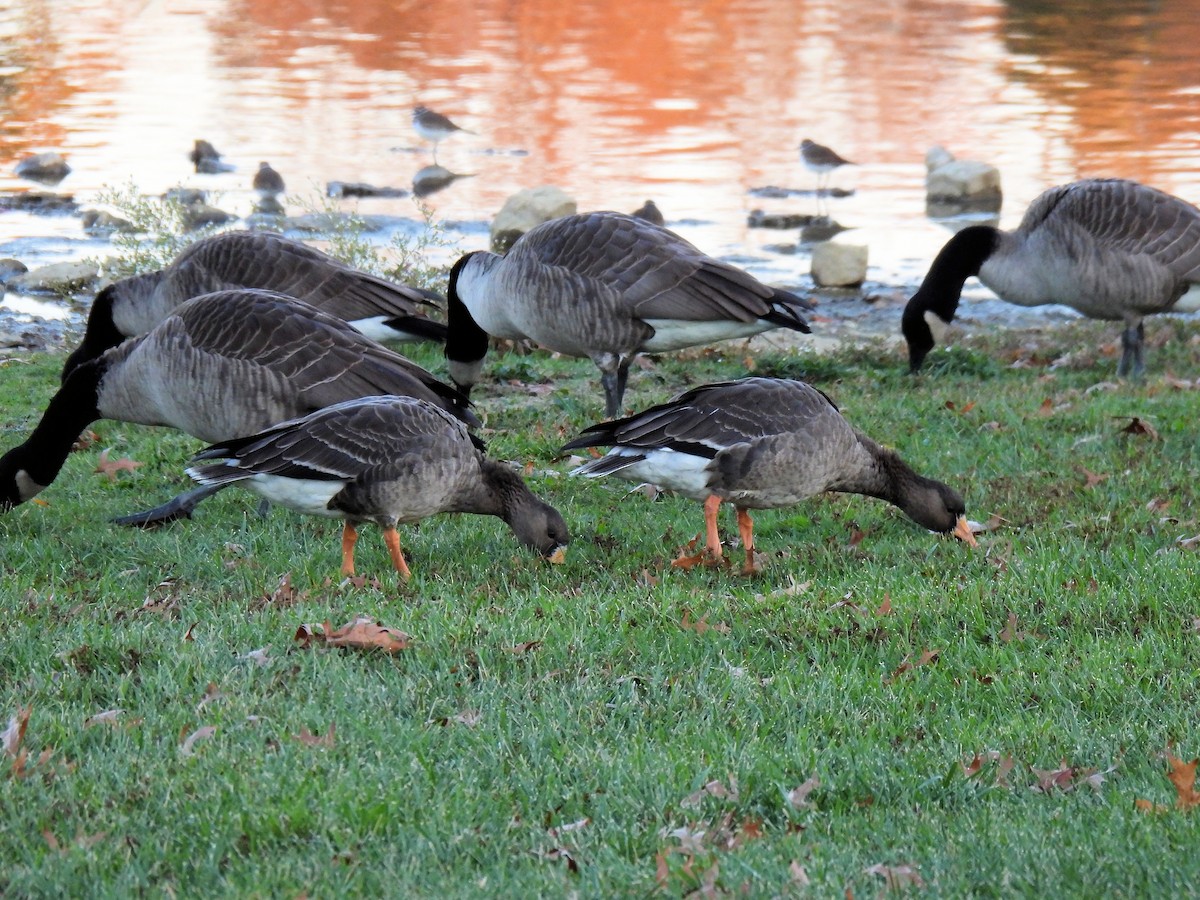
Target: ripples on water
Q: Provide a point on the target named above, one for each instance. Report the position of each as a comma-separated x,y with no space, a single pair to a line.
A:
692,105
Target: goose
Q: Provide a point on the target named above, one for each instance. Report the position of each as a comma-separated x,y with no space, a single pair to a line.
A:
219,366
1111,249
762,443
607,286
387,460
380,309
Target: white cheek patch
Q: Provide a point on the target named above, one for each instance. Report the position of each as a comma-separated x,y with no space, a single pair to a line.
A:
937,325
27,488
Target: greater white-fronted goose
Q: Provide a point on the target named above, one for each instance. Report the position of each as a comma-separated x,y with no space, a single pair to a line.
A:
219,366
381,309
762,443
606,286
387,460
1111,249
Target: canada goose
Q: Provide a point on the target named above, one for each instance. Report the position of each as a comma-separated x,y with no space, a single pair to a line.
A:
386,460
606,286
433,126
762,443
218,367
1111,249
380,309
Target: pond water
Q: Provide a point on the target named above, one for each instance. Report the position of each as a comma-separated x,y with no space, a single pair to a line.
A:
693,104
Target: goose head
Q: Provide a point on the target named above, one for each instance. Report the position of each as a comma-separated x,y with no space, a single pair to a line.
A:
936,506
931,310
535,522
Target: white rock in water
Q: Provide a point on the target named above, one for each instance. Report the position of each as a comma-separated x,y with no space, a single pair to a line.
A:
838,264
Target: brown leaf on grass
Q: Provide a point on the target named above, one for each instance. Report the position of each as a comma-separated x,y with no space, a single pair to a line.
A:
1183,776
797,797
362,633
577,825
1157,505
1047,407
110,467
885,608
308,739
1091,479
1010,633
799,875
83,841
908,664
187,635
1062,778
14,735
662,871
966,407
897,877
524,647
212,694
86,440
1140,427
108,717
283,596
187,747
700,626
1147,807
856,537
713,789
562,853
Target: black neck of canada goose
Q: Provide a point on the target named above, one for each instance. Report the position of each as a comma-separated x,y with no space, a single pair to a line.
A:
466,342
938,296
100,334
886,476
27,469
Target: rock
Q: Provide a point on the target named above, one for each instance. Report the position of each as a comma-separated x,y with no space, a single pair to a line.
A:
838,264
186,196
99,221
39,202
527,209
950,180
48,168
359,189
10,269
59,279
783,221
201,215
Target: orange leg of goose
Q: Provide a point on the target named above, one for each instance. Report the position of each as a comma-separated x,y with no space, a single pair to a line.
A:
712,540
391,537
746,531
349,537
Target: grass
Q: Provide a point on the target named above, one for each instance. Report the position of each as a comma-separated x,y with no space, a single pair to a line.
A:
611,726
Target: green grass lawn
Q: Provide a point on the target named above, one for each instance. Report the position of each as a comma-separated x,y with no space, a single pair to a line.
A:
977,722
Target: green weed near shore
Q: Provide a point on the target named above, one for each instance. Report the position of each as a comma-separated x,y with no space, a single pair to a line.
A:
879,709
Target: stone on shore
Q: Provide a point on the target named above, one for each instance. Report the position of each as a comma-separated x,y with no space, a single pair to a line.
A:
47,168
838,264
960,181
56,279
527,209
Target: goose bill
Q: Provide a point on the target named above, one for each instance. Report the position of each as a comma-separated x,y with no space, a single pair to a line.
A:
962,531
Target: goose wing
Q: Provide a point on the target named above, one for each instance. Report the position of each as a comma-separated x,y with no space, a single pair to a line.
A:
709,419
656,273
322,358
260,259
340,442
1127,217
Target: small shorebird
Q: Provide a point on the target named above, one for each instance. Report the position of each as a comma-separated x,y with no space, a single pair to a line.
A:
433,126
206,159
650,212
822,160
267,181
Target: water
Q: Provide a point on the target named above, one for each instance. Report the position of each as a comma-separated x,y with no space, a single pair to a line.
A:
691,104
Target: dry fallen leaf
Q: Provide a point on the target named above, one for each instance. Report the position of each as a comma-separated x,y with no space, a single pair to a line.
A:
108,717
907,665
308,739
200,734
524,647
110,467
1139,426
362,633
897,876
14,735
798,873
798,797
1183,776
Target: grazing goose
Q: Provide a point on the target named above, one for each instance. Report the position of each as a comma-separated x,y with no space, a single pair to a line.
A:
256,259
386,460
606,286
1111,249
218,367
762,443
